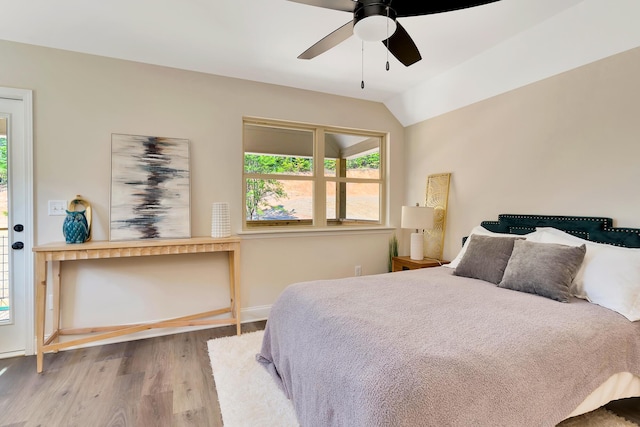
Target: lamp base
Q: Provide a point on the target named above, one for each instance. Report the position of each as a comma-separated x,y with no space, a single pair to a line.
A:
417,246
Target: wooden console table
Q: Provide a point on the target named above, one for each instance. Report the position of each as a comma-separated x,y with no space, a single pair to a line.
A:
55,253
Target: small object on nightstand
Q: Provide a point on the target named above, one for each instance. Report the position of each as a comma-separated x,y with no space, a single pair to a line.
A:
419,218
400,263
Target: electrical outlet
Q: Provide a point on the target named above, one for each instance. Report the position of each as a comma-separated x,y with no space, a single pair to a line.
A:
57,207
358,270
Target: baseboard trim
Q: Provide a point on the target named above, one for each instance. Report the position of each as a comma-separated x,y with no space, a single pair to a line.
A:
11,354
254,314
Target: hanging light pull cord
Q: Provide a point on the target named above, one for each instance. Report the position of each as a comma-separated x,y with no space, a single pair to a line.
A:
387,39
362,68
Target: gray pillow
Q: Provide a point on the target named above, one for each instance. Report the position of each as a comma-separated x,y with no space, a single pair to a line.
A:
545,269
486,258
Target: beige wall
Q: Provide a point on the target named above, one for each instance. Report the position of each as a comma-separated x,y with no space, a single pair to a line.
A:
567,145
79,100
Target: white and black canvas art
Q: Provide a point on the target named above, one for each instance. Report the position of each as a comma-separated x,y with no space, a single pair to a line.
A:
150,194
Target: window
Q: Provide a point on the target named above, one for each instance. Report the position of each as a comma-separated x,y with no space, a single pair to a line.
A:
311,176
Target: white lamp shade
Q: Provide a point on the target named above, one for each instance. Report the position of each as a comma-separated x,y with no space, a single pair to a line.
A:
375,28
417,217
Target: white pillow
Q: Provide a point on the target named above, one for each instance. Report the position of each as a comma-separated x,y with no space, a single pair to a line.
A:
612,280
480,230
609,275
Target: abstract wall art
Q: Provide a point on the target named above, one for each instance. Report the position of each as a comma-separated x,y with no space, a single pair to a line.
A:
150,188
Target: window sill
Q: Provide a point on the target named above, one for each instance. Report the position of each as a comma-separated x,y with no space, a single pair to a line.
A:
306,232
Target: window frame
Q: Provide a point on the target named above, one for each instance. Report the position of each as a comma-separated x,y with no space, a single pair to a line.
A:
319,180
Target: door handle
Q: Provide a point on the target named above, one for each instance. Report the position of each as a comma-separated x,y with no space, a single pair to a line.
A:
17,245
18,227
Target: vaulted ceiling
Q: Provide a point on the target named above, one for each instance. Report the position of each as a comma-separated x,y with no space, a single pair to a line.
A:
468,55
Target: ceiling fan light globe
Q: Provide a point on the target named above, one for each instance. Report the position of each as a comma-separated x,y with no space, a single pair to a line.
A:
374,28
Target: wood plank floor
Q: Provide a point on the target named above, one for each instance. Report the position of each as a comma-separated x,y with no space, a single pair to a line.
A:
164,381
156,382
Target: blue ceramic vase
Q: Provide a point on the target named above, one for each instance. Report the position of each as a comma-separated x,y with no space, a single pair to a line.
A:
75,227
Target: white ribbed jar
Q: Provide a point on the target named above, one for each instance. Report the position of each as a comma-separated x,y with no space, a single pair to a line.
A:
220,220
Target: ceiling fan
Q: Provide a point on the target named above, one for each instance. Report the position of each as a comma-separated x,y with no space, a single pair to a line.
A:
375,20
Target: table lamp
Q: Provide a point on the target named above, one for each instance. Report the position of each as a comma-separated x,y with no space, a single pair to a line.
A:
417,218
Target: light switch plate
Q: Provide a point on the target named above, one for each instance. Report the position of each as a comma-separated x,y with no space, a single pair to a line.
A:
57,207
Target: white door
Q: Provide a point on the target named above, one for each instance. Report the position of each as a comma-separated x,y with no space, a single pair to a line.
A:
16,223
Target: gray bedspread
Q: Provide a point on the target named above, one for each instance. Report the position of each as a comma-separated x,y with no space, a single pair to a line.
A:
426,348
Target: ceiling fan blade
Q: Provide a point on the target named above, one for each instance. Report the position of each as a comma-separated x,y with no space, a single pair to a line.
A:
415,8
343,5
333,39
402,46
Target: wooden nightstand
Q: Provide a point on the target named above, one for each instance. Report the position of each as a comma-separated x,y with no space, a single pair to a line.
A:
399,263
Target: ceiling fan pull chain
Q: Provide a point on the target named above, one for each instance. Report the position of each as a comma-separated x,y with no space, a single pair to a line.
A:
387,38
362,67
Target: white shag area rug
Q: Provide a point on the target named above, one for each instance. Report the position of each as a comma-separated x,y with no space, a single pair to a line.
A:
249,397
247,394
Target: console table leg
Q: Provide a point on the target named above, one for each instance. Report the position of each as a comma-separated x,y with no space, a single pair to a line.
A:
55,268
234,279
41,290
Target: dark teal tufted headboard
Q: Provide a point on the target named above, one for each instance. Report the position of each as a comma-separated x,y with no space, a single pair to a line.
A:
589,228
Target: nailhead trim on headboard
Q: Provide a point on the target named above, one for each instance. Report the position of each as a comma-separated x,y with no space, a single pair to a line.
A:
590,228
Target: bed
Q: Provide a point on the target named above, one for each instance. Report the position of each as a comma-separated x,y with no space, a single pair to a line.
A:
460,346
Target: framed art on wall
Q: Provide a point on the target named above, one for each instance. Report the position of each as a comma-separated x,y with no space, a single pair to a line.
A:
150,188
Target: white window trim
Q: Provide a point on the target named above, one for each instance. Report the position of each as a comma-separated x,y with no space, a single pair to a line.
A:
319,180
275,232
